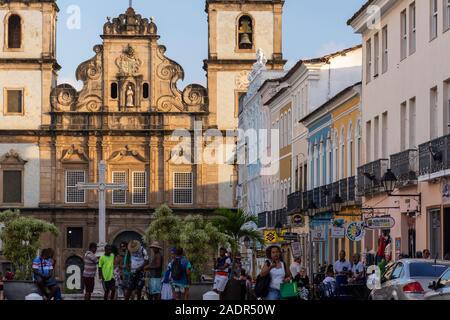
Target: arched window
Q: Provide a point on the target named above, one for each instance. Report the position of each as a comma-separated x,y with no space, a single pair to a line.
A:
14,32
245,32
145,90
114,90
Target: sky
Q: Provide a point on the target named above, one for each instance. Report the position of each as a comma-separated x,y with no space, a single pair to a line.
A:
311,28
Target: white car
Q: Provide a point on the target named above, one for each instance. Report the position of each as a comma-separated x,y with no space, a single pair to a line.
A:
408,279
440,289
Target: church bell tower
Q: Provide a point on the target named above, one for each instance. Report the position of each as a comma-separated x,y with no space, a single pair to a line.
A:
236,30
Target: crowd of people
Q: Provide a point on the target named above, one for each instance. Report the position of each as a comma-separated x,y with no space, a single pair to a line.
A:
131,273
343,279
126,271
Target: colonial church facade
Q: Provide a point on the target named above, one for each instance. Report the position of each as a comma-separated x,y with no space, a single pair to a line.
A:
52,136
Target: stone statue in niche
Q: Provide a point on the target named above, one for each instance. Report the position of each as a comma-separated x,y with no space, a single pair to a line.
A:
130,96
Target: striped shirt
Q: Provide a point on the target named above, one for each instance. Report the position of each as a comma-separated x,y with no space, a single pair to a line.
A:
42,266
90,265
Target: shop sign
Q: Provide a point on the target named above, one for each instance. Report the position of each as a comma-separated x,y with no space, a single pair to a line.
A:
272,237
298,220
380,223
355,231
338,229
296,249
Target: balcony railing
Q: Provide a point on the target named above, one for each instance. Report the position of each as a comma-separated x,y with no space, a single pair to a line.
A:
295,202
434,157
370,175
351,189
405,166
298,202
270,219
262,219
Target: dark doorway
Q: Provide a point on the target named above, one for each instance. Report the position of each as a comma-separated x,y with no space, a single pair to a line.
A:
446,231
127,236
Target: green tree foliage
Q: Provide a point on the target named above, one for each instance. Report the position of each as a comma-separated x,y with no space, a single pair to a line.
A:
165,226
20,236
197,236
237,225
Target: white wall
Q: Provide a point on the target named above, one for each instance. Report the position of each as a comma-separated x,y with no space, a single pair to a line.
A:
428,67
31,184
30,81
31,34
342,72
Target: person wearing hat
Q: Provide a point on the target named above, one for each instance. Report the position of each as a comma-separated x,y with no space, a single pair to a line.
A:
136,261
155,269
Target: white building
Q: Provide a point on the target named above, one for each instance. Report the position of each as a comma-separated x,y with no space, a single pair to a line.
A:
254,122
405,96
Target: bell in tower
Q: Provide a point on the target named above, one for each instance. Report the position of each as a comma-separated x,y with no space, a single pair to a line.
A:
245,33
245,41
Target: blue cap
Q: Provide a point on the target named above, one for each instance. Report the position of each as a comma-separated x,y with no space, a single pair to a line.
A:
173,250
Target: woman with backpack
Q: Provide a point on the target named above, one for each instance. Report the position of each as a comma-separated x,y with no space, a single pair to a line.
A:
278,272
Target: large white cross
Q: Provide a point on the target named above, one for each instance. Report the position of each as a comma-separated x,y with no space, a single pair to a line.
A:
102,187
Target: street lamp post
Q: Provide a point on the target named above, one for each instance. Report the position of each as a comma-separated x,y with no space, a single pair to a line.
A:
389,182
311,212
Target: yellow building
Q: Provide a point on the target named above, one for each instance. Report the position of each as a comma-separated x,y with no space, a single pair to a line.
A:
345,109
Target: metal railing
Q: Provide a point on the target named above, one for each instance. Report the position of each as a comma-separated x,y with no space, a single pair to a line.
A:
434,156
370,176
405,166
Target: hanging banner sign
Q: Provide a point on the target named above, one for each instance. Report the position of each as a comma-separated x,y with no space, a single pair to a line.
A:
319,234
380,223
355,231
296,249
338,229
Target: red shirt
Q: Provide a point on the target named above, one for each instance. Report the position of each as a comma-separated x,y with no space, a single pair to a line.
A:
9,276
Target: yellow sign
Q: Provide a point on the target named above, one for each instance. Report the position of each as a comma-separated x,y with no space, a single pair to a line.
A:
272,237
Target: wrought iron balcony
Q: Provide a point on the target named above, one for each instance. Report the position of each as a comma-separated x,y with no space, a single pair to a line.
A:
351,189
273,218
370,175
405,166
343,188
295,202
434,158
262,219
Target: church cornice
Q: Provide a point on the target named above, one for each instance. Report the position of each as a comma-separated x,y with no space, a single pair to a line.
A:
51,61
238,63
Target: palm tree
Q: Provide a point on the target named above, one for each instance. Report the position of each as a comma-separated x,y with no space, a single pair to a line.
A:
237,225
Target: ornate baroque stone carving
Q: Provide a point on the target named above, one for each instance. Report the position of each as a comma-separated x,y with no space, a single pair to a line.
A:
90,72
242,81
12,158
64,98
128,64
130,23
126,152
74,154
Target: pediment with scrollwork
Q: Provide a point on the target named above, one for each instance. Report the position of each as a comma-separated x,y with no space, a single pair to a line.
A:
127,155
12,158
126,76
74,155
